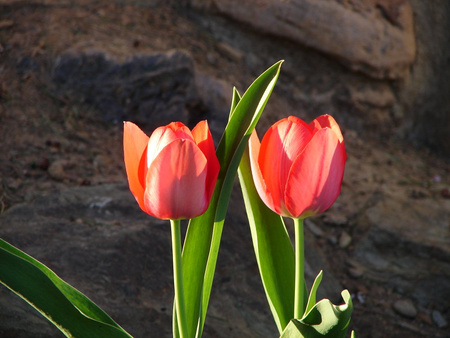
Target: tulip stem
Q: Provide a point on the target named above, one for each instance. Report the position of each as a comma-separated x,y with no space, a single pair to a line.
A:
178,278
299,300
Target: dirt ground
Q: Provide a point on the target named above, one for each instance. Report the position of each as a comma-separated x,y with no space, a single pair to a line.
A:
50,142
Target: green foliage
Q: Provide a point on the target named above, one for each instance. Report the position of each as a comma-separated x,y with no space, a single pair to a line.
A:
273,249
67,308
324,319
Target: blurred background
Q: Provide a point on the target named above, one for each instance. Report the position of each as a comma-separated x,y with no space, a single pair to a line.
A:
72,71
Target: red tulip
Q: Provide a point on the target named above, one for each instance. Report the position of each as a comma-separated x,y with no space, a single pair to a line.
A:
298,168
173,172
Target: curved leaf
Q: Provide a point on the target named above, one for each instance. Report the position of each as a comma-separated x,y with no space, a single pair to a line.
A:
312,294
67,308
273,249
324,320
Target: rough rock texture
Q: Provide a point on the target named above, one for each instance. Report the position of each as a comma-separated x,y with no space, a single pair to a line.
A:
140,88
396,254
375,37
98,240
425,97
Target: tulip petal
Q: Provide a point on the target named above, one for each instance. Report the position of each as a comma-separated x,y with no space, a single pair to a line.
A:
279,148
203,138
327,121
134,147
254,149
162,136
180,130
316,175
176,182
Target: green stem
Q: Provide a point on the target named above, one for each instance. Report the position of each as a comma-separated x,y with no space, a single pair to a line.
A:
299,269
178,278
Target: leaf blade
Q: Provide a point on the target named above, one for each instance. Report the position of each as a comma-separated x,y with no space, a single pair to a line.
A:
273,249
67,308
324,320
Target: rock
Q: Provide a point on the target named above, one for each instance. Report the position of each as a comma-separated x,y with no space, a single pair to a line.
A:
313,228
375,37
335,218
153,89
376,96
439,319
230,52
405,307
56,170
426,89
215,95
407,248
344,240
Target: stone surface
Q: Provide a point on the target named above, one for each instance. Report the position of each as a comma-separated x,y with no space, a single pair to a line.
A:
425,95
375,37
407,248
439,319
405,307
154,89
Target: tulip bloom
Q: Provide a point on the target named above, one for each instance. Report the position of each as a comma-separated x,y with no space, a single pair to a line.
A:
298,168
173,172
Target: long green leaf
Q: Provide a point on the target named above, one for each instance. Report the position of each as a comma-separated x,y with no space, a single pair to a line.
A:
312,295
67,308
273,249
324,320
203,236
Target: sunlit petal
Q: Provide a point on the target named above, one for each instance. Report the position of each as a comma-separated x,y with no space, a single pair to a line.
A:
202,137
254,146
134,147
279,148
327,121
176,182
316,175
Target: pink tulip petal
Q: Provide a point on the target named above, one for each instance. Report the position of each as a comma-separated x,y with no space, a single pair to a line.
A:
176,182
258,179
279,148
162,136
202,136
134,147
180,130
316,175
327,121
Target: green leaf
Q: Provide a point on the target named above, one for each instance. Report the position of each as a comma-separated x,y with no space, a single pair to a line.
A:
323,320
203,236
273,249
67,308
312,294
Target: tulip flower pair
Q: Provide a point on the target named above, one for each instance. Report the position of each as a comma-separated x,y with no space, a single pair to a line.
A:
297,170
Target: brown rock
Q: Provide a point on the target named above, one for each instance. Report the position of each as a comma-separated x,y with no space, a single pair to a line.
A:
56,170
375,37
405,308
